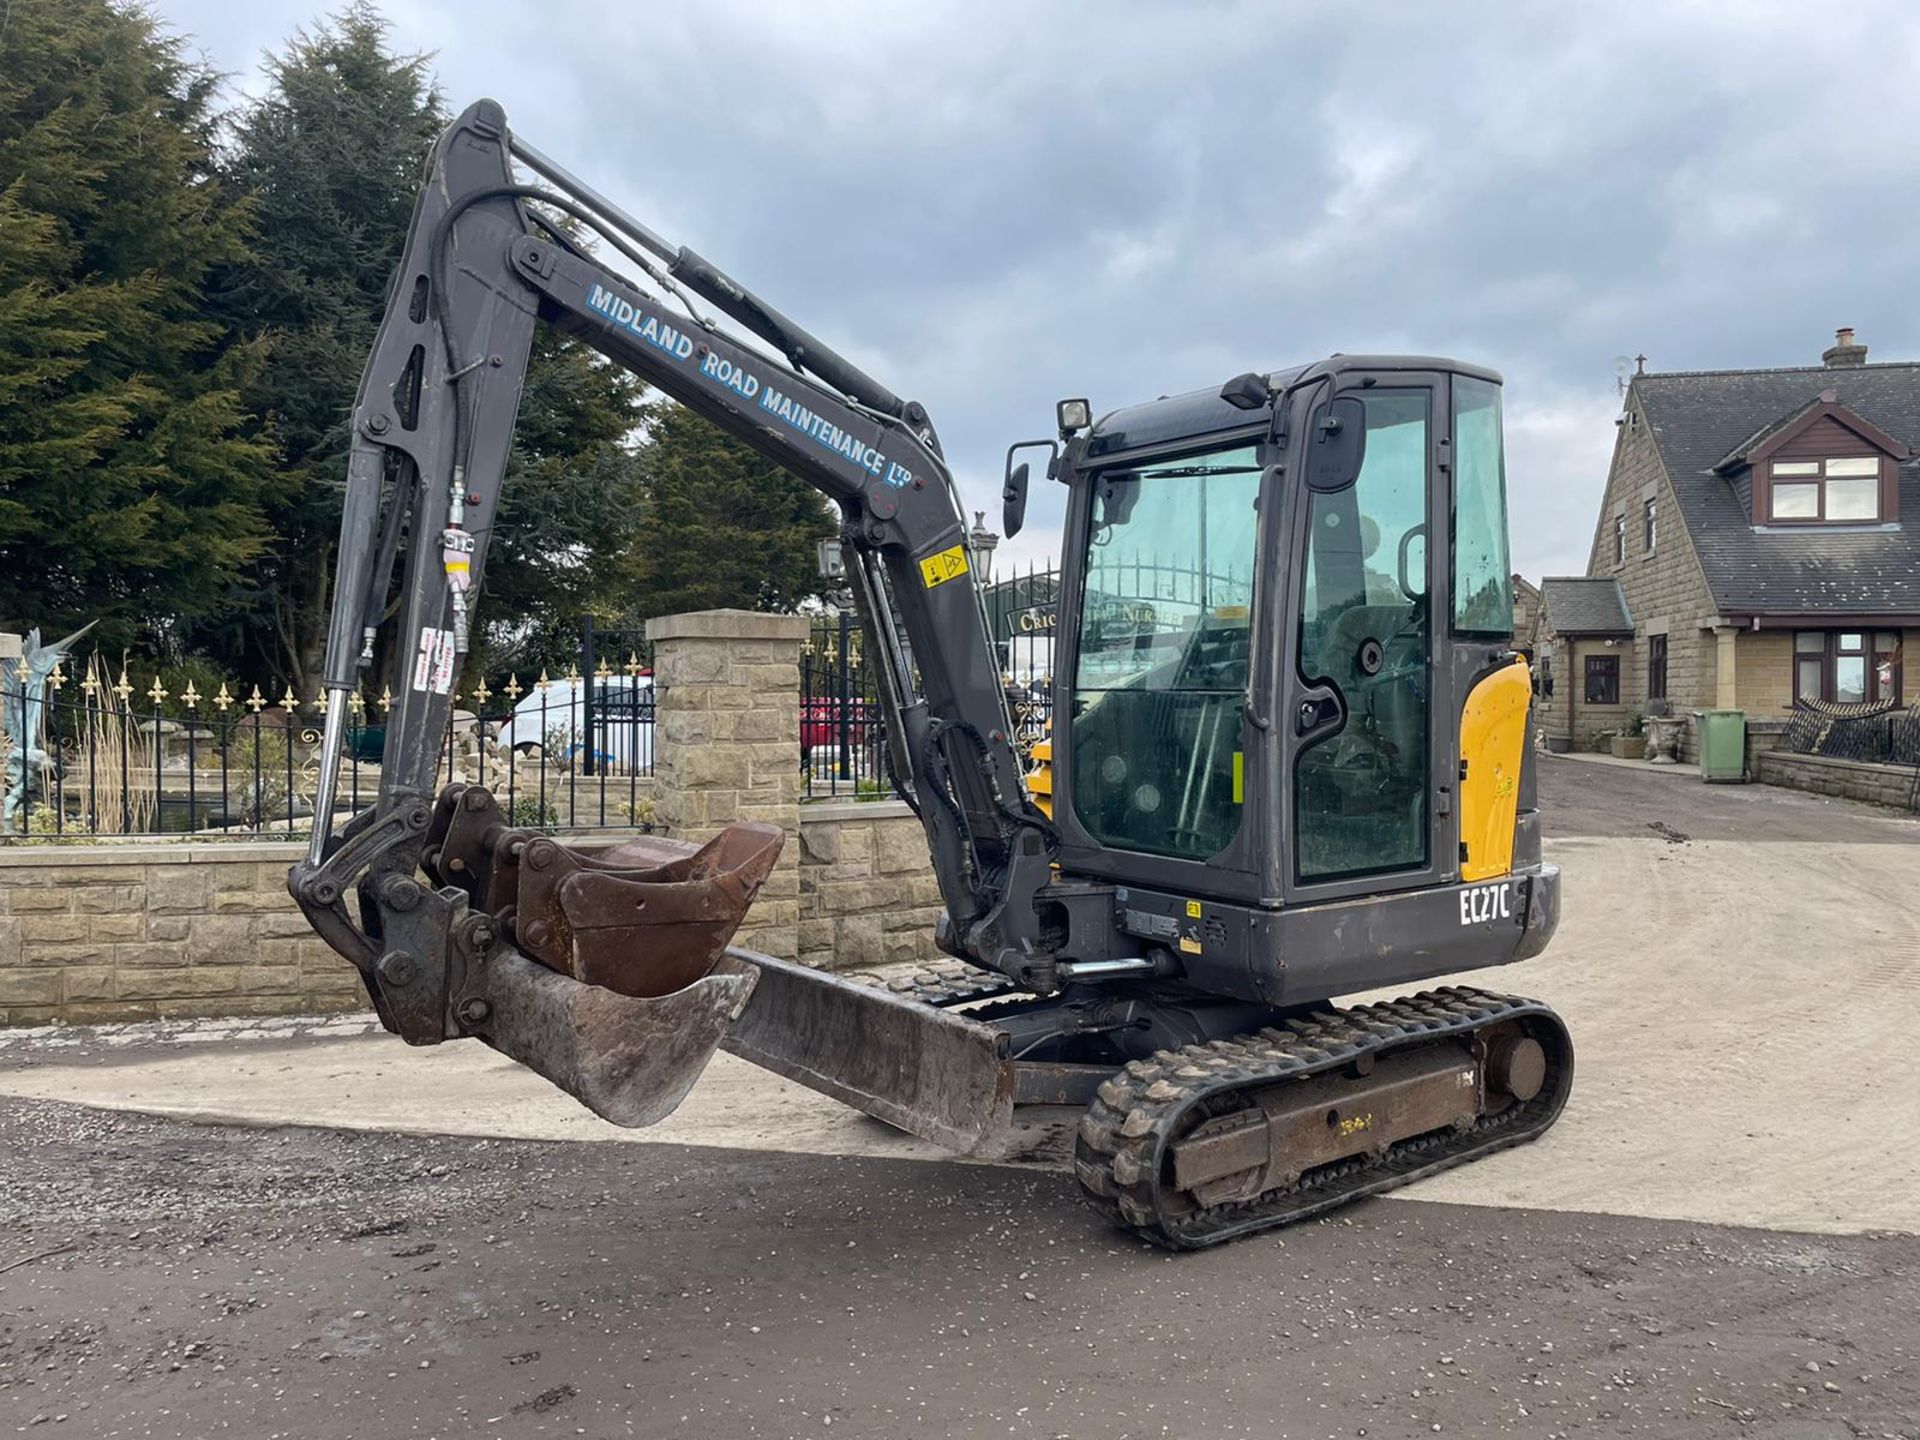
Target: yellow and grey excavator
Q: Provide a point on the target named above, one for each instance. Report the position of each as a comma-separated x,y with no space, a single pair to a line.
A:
1290,758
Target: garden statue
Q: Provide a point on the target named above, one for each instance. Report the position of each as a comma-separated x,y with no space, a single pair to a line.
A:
23,718
1663,733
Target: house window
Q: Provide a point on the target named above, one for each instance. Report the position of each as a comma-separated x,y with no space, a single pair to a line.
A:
1650,518
1603,679
1842,490
1656,667
1846,666
1619,539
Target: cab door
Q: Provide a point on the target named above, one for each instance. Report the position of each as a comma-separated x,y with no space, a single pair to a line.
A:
1363,799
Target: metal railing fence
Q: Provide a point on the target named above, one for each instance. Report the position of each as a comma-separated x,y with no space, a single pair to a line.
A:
102,756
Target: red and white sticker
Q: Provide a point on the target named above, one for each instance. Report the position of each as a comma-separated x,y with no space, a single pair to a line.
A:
433,666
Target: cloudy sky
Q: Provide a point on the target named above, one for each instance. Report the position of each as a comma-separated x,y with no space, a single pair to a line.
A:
995,205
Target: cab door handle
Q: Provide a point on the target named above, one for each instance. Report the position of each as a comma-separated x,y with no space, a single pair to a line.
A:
1319,710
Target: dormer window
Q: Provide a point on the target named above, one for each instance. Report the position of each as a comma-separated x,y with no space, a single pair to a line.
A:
1838,490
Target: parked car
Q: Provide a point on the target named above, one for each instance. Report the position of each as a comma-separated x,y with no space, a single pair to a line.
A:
820,732
555,720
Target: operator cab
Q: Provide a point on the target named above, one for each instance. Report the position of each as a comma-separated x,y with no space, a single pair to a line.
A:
1275,599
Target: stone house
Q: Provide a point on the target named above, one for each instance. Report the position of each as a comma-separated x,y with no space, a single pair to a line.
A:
1526,614
1759,540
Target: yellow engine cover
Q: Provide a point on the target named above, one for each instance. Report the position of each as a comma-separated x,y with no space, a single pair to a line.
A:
1040,777
1493,739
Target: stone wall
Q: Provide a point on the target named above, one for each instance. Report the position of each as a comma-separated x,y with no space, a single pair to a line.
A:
867,891
102,932
92,933
1845,779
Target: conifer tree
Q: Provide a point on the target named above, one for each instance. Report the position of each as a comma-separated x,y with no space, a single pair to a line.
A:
128,493
719,525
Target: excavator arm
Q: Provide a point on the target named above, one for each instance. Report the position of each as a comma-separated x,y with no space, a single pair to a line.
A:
523,942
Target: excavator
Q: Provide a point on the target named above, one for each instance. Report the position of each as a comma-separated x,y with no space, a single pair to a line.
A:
1289,754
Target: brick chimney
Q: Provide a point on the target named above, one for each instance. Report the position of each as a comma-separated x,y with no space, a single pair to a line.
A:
1843,352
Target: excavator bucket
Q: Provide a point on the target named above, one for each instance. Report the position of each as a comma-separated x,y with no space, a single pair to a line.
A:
618,984
615,983
629,1060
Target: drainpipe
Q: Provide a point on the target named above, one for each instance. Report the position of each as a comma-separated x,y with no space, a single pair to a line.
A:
1573,647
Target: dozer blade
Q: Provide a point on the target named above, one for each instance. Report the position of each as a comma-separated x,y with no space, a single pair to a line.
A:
931,1072
629,1059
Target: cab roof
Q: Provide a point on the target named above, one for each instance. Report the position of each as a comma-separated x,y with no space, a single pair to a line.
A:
1198,413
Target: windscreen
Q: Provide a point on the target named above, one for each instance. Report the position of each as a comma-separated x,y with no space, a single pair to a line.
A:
1163,654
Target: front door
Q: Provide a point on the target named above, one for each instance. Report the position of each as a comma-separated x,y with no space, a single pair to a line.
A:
1361,719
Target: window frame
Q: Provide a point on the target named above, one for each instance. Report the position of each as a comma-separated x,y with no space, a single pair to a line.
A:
1463,593
1619,540
1606,669
1650,524
1656,667
1819,479
1870,651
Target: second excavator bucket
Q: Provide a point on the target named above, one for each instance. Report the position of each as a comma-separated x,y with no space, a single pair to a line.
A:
613,981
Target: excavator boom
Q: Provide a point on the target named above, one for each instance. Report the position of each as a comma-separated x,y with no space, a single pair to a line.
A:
486,260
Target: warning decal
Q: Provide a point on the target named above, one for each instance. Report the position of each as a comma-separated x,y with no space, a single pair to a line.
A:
433,665
949,564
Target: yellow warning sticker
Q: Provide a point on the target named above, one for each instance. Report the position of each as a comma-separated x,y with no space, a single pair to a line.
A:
1189,945
949,564
1193,909
1239,777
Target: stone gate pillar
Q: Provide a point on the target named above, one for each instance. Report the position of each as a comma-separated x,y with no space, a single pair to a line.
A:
726,744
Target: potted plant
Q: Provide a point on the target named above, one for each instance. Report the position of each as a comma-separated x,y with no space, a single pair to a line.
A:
1631,743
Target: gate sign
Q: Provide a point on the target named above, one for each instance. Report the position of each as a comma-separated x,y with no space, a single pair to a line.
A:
1034,620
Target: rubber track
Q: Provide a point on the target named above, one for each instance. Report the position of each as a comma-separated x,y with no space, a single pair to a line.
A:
953,983
1121,1153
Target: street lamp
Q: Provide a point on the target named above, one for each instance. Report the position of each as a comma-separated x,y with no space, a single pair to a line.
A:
982,541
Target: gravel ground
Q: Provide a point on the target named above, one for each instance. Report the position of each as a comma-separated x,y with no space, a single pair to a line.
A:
315,1283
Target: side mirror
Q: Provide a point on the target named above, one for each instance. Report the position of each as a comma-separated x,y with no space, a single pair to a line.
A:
1336,444
1013,501
1013,490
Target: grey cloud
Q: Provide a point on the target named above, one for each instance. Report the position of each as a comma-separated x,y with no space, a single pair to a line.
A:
996,205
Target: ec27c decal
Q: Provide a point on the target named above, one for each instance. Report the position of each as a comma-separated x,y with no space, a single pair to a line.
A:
1482,903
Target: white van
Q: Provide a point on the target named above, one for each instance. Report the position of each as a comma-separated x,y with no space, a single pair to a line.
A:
555,720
